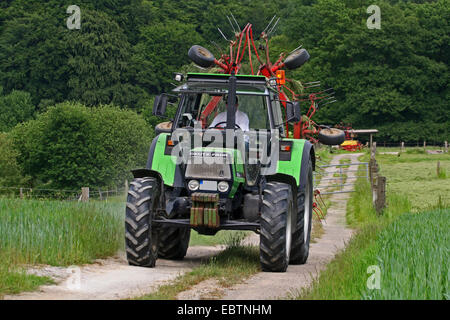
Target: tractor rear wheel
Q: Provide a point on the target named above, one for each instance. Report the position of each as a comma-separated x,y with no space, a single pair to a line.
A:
173,243
302,230
141,238
276,227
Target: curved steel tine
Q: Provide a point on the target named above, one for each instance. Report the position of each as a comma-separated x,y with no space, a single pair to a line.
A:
231,24
269,23
237,24
223,35
324,104
272,30
217,46
296,48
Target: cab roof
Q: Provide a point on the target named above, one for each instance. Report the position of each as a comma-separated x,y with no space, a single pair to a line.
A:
218,84
224,77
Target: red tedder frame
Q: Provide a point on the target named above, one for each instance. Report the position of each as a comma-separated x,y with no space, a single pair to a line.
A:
230,62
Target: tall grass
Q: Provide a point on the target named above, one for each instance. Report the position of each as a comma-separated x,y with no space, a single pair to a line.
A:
345,277
413,175
220,238
413,255
360,210
410,249
59,233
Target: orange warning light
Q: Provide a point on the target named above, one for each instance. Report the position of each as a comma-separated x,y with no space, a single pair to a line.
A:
281,79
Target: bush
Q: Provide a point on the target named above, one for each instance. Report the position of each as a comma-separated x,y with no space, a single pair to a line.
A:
71,146
10,173
15,107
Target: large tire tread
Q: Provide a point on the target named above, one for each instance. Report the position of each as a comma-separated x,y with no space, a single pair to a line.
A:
300,248
273,227
173,243
139,242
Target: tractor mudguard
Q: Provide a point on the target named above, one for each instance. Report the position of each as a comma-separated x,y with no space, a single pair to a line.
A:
164,164
151,152
308,152
144,173
295,170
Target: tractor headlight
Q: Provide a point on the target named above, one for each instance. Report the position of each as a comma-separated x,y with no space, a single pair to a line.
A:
223,186
193,185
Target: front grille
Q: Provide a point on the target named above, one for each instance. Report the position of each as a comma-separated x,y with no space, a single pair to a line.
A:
208,168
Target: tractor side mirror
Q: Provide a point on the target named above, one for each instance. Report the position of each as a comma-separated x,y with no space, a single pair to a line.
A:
160,105
293,111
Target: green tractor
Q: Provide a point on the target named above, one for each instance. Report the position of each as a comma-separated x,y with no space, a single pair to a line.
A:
236,156
206,174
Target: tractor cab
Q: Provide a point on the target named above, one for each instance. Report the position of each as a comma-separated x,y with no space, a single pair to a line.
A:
225,134
203,103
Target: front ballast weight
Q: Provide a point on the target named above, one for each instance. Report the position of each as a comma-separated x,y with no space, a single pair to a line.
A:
204,211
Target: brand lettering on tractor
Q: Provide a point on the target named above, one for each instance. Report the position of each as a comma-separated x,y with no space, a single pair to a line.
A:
256,141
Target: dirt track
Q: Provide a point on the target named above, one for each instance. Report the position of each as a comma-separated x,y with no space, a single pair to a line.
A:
114,279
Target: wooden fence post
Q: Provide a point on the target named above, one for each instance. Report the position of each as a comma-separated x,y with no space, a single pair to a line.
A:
100,194
21,193
424,145
446,146
380,202
373,185
402,148
373,150
84,194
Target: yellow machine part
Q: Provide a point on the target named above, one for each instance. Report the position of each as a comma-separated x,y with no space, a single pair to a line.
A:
349,143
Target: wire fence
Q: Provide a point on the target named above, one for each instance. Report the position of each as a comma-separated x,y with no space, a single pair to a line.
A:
58,194
418,144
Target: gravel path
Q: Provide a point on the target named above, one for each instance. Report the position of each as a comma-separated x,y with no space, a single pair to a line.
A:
113,278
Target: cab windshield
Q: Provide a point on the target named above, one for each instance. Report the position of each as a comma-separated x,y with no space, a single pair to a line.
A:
209,109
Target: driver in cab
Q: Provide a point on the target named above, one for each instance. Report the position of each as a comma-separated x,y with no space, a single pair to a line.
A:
242,121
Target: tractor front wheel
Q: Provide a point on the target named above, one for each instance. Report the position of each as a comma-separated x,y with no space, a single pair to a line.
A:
302,230
173,243
276,227
141,238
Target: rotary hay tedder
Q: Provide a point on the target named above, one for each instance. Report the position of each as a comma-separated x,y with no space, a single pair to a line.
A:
244,45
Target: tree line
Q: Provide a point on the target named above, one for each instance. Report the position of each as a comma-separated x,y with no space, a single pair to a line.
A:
394,78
